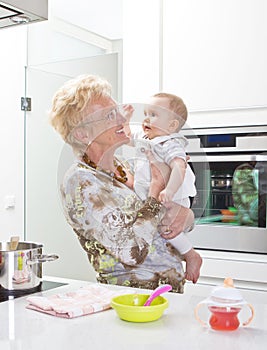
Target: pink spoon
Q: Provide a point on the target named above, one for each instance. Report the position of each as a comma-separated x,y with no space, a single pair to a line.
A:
159,290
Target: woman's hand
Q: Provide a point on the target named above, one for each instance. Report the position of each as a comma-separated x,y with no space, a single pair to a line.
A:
128,111
177,219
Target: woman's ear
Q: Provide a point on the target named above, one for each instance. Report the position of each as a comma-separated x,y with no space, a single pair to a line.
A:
173,125
81,135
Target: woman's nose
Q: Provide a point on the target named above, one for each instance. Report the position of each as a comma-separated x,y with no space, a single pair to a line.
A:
120,118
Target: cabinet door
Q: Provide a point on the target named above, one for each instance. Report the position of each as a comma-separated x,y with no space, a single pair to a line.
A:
214,52
47,158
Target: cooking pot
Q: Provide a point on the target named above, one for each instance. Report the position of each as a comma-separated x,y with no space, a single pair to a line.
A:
21,269
221,181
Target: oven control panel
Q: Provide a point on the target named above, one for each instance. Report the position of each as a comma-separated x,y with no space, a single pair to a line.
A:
243,139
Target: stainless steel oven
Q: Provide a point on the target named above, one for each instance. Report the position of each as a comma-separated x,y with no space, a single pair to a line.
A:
231,179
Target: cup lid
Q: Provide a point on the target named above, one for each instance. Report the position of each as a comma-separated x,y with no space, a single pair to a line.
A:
226,295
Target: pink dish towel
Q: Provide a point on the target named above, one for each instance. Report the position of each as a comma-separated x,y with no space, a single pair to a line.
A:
84,301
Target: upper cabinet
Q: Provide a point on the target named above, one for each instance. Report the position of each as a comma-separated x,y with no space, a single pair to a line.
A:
210,52
141,48
102,17
214,52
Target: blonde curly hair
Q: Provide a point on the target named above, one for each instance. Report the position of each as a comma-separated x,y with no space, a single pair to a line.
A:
70,101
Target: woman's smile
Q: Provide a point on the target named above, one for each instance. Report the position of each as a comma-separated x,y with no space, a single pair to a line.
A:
120,131
121,135
113,136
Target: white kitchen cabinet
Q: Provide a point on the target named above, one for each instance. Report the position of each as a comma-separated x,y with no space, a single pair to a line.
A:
141,48
214,52
48,158
102,17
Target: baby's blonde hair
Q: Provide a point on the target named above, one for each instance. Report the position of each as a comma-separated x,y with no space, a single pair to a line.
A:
70,101
177,106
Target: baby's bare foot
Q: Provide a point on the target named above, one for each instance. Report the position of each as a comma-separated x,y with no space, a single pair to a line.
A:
193,263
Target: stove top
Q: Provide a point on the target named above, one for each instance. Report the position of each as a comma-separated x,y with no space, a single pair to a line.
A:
13,294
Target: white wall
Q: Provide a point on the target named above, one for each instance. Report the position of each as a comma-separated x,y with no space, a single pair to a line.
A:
12,63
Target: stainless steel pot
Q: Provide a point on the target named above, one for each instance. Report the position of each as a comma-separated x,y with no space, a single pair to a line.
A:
221,181
21,269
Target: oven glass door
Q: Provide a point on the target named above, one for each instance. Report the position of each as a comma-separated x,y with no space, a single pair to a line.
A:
231,197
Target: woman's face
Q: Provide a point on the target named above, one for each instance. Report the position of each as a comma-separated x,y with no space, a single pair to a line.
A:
105,124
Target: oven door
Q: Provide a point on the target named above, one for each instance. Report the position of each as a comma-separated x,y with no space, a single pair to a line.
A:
230,205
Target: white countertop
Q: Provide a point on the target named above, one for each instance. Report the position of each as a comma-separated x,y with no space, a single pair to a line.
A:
24,329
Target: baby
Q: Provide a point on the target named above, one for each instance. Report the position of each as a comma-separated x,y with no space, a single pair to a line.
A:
165,114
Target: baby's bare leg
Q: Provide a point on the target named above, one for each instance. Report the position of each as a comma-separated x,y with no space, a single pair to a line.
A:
192,258
193,263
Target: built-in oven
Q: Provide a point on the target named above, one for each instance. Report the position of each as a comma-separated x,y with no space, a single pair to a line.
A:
230,165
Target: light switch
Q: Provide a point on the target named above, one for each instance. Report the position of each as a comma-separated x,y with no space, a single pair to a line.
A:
9,202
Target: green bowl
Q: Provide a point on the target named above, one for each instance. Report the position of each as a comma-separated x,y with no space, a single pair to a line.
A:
129,307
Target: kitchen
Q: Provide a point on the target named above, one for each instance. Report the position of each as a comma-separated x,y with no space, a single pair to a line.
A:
231,94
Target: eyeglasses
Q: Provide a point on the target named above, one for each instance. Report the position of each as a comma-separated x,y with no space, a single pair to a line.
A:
111,116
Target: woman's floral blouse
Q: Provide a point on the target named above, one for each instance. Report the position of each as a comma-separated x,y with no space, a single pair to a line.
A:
117,232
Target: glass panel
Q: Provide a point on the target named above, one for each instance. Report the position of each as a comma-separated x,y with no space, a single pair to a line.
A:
231,193
44,151
43,215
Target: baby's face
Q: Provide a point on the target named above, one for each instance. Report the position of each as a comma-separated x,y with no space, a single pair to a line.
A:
157,117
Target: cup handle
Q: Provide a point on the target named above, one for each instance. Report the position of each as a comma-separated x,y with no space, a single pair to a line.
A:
197,317
251,317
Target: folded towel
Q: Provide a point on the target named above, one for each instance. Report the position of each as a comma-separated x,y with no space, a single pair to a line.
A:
21,276
84,301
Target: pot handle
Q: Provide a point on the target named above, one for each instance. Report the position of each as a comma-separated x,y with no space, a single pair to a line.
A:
251,317
197,316
41,258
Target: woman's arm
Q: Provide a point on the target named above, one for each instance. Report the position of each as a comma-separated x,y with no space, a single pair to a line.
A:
178,168
176,218
160,173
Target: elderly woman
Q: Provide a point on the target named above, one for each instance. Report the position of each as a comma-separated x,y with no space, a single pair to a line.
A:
122,235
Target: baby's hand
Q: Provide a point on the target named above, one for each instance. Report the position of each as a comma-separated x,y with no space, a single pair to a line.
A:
128,111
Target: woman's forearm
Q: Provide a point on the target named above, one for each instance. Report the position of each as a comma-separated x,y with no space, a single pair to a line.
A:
155,189
177,219
160,173
177,175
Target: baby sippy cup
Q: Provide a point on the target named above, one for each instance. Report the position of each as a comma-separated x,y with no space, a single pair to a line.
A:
224,304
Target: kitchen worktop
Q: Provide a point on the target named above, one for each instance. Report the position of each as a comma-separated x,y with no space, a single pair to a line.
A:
22,329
